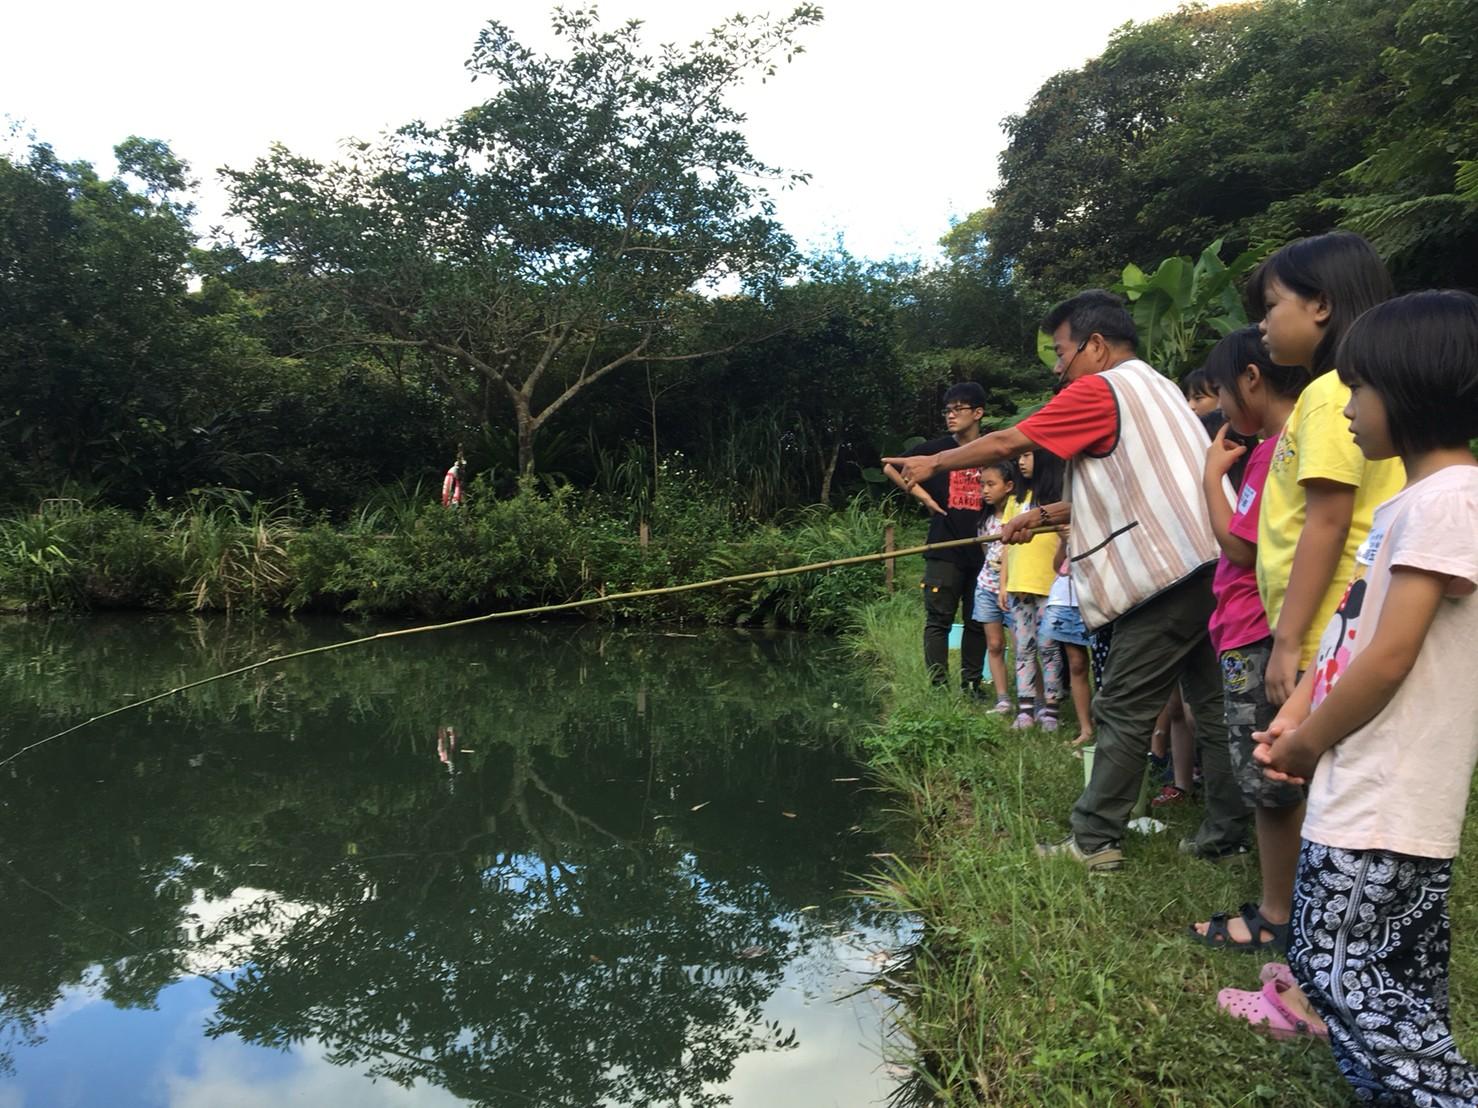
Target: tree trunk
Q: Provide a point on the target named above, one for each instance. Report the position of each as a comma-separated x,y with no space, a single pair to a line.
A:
828,470
652,397
526,429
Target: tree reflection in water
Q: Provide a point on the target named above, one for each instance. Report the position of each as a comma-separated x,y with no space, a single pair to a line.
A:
597,912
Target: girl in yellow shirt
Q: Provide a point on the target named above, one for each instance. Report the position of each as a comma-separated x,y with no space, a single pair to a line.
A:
1027,579
1317,504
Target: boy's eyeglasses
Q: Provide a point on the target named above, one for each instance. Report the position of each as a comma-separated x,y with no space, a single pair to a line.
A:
956,409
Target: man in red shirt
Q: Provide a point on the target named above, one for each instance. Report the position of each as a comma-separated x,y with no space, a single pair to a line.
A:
1142,555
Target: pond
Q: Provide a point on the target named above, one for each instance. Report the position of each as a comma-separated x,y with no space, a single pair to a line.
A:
548,864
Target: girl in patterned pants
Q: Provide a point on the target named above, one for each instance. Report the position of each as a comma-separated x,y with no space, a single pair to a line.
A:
1030,571
1378,726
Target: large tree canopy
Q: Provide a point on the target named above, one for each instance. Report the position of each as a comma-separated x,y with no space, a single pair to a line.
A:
112,373
1233,122
1416,196
549,235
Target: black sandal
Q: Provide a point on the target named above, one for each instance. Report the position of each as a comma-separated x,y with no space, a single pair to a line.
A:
1219,936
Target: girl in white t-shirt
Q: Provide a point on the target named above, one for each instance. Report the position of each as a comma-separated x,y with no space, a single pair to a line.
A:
997,489
1062,623
1383,732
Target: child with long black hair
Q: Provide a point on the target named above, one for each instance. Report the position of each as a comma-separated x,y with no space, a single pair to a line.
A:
1320,493
1256,395
1382,729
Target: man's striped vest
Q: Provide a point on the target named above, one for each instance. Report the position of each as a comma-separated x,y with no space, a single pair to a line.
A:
1140,522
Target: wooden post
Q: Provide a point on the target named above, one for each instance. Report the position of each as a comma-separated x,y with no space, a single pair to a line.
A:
644,534
888,548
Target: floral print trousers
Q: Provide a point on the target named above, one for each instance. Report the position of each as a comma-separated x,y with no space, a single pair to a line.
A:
1370,947
1029,653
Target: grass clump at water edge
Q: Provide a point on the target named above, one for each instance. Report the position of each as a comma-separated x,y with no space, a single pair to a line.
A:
405,555
1034,984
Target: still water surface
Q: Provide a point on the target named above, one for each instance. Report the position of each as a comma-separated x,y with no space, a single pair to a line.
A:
534,865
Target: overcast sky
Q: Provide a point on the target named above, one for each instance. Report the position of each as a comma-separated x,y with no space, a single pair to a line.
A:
894,109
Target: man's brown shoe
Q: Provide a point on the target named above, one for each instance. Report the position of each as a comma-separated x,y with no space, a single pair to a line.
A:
1106,859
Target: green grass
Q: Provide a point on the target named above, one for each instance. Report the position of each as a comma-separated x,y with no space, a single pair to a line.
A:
1036,984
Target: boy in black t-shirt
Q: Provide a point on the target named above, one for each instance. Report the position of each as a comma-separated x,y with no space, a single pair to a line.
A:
954,501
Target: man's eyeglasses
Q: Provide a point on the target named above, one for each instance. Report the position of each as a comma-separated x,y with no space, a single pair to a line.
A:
1081,347
956,409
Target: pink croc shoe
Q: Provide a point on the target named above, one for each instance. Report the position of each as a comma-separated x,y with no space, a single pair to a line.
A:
1265,1010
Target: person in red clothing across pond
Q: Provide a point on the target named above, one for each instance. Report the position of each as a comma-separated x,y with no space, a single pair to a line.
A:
1142,553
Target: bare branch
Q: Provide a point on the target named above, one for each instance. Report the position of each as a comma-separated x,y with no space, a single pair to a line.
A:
748,341
586,379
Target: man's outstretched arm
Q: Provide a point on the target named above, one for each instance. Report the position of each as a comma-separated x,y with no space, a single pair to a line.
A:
994,447
1019,527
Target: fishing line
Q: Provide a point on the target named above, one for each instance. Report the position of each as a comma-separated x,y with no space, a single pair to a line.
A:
543,609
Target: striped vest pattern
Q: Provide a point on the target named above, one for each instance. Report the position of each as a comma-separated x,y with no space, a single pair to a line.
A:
1140,523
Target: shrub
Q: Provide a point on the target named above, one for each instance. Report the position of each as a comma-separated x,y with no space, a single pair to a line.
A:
127,561
317,561
232,552
40,565
539,546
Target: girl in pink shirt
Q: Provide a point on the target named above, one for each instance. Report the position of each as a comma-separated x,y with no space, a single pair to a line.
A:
1256,395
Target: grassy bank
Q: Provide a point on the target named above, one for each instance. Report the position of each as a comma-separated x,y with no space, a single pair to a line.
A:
404,555
1035,984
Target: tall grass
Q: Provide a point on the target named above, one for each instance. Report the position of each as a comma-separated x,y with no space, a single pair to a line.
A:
67,556
403,554
761,463
1035,984
391,507
626,478
40,555
232,552
829,600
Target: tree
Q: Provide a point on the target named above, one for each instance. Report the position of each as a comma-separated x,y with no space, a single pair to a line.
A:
107,366
973,299
550,235
1230,122
124,383
830,380
1416,195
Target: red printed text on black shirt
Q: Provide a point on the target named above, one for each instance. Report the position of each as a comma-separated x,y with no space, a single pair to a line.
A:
964,490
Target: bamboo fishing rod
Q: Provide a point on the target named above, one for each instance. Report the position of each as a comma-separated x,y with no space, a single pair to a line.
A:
543,609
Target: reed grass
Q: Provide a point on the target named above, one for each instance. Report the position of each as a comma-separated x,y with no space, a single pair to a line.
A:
232,553
404,554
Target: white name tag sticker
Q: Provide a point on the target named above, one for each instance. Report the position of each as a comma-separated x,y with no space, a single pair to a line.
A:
1249,496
